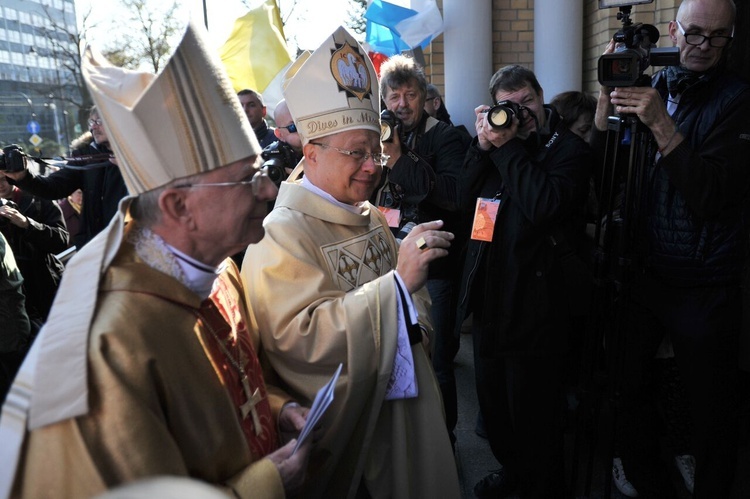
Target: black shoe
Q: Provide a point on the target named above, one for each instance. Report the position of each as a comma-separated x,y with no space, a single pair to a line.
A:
496,485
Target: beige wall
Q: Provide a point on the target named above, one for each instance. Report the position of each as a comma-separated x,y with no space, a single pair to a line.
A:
513,35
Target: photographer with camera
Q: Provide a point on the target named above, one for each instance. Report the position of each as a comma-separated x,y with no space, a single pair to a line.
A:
35,230
420,182
690,246
94,173
280,157
533,172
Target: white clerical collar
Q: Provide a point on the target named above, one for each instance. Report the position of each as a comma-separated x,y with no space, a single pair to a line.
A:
156,253
354,208
200,277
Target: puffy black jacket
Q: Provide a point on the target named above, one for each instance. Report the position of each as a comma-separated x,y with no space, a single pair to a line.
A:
696,203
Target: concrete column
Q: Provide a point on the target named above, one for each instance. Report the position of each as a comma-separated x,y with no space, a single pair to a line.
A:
468,57
558,45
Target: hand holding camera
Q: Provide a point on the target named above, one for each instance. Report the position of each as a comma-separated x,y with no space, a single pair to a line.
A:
496,124
9,211
391,128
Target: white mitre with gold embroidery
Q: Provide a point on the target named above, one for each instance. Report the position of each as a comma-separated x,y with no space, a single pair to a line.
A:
335,89
185,121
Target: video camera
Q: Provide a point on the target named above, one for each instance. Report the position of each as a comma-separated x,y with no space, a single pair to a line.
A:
277,157
635,50
13,159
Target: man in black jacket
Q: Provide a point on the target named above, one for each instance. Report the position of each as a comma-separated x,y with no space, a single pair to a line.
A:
691,245
533,174
35,230
95,174
420,186
16,332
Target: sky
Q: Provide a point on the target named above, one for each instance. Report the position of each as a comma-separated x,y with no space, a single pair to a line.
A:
312,20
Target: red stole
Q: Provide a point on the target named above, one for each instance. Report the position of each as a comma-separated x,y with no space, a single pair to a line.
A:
217,313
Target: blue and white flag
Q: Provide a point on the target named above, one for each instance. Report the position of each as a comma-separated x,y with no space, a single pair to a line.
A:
400,25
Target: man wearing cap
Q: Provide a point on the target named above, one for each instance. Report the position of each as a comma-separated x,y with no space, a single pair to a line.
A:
149,369
336,290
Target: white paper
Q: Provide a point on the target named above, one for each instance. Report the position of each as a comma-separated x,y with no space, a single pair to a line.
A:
323,399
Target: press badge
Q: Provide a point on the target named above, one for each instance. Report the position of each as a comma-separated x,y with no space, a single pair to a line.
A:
485,214
392,216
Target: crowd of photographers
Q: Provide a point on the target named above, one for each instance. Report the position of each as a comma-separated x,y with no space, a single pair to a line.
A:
537,225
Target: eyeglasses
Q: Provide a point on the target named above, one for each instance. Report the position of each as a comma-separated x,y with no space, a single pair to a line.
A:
292,128
256,182
97,121
360,156
698,39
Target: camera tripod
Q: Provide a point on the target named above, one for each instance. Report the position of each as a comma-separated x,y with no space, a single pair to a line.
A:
627,151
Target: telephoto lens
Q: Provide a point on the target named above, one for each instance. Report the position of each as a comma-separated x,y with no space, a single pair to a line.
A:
501,114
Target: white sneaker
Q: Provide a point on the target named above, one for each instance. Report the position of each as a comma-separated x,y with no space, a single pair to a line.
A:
621,482
686,465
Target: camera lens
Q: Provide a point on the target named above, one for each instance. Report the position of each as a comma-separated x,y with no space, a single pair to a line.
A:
386,132
499,117
276,171
501,114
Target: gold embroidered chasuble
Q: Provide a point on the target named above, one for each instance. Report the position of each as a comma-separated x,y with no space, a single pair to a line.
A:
157,403
322,291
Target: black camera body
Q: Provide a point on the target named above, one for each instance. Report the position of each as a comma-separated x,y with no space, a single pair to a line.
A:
636,50
501,114
4,222
390,125
277,157
13,159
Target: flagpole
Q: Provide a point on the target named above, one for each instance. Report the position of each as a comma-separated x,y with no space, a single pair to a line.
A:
205,14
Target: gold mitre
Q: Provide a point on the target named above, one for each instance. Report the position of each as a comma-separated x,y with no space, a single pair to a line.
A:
334,90
185,121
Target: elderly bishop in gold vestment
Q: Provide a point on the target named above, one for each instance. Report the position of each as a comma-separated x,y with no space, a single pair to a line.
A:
146,367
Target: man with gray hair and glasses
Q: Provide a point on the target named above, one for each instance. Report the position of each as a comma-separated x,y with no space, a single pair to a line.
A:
690,247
